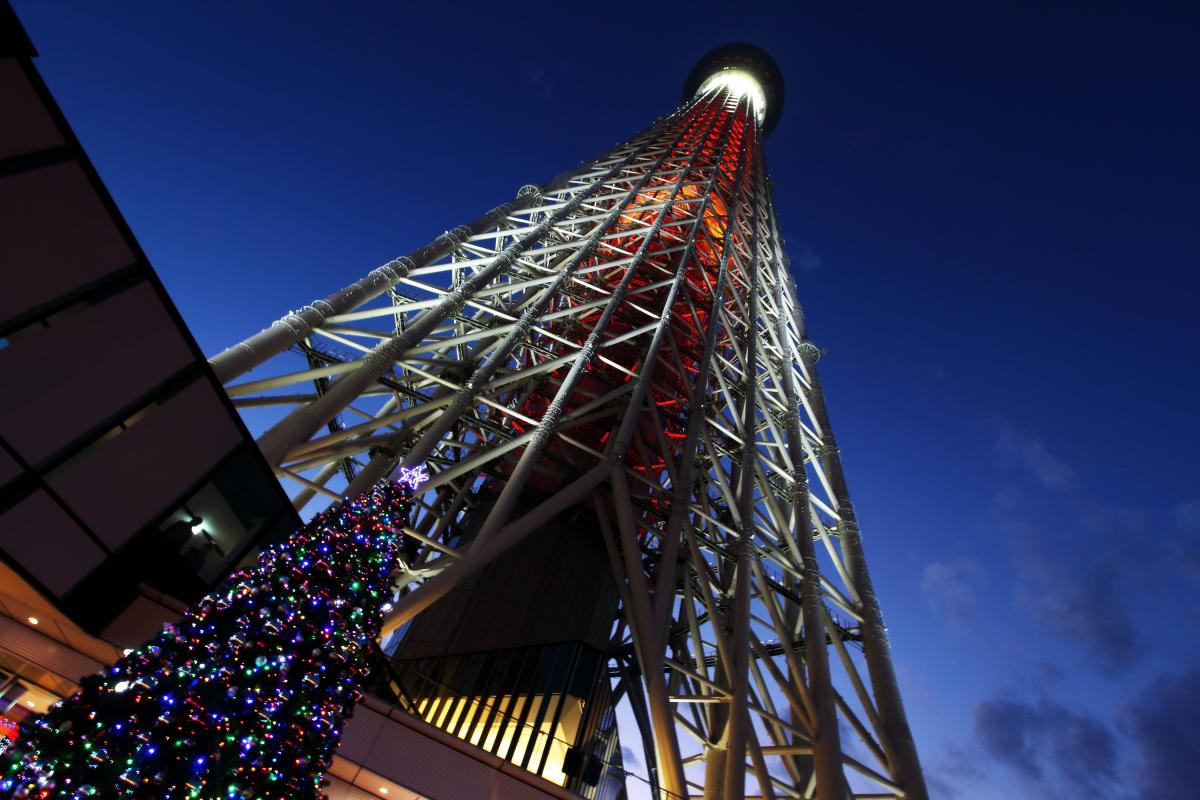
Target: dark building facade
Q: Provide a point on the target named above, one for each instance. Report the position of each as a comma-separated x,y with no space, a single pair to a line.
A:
128,485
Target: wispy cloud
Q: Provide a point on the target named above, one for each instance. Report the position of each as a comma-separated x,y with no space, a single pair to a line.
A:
957,772
1077,596
950,588
1186,546
1066,561
1187,515
1008,498
545,77
940,786
1050,746
805,259
1161,721
1019,449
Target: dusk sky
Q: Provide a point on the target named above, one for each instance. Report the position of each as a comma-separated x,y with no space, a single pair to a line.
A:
993,213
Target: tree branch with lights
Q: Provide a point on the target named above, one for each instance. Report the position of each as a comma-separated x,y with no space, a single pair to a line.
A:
246,696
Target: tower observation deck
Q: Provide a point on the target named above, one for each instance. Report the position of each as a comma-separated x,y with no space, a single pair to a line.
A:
636,507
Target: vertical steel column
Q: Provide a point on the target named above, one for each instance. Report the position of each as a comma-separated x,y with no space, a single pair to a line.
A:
739,715
876,648
827,747
648,633
664,595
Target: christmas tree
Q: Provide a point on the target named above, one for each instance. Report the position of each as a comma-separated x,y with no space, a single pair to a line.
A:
247,695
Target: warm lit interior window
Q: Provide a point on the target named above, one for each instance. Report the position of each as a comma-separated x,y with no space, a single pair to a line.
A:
498,736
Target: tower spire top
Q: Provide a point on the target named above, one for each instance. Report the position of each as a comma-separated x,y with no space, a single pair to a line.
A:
745,68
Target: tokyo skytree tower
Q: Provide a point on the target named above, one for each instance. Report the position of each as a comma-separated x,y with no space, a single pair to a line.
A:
618,357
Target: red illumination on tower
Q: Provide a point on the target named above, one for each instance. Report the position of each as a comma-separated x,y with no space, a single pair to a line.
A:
623,344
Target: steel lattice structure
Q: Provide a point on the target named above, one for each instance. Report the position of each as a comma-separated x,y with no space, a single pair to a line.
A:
626,337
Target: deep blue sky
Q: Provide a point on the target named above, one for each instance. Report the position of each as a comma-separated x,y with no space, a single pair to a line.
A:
993,209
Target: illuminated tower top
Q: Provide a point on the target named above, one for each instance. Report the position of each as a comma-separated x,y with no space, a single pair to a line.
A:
743,69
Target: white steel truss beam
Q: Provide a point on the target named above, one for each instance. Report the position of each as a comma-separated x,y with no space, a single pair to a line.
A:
625,339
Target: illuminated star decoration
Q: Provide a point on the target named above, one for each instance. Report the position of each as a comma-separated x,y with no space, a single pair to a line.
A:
414,477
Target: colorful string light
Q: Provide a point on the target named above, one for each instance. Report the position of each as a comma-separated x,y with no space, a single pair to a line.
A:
247,695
